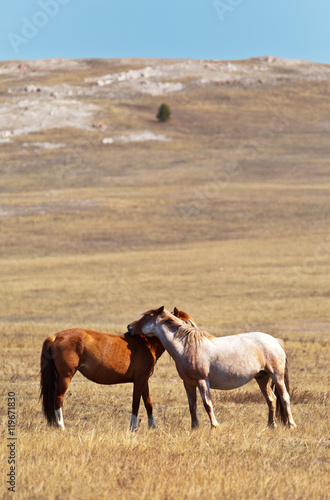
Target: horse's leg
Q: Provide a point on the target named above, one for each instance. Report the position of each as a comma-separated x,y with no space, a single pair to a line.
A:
62,385
204,389
192,400
285,398
138,386
148,405
264,384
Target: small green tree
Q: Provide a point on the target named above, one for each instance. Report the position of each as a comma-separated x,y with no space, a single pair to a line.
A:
164,113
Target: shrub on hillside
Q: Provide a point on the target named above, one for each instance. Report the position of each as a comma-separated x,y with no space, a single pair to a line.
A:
164,113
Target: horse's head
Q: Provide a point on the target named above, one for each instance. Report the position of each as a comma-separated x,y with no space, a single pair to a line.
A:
149,321
147,324
184,316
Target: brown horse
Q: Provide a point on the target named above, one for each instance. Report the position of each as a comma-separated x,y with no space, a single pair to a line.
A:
104,359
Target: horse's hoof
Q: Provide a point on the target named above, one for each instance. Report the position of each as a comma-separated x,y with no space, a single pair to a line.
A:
194,427
151,423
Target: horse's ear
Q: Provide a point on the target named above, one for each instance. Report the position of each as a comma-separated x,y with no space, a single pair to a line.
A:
160,310
176,312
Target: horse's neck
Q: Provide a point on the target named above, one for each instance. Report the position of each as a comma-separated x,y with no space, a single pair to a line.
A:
166,335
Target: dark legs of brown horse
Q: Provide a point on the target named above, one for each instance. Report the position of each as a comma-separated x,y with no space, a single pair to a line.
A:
264,384
148,406
141,388
61,388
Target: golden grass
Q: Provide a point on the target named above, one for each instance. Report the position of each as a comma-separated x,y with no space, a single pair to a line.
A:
93,236
98,456
171,464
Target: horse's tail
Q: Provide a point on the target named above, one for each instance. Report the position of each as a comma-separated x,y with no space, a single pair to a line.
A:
281,414
48,380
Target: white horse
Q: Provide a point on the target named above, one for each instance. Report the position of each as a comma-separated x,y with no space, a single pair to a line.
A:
205,361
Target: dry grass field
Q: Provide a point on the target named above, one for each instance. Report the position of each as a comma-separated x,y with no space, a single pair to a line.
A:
228,220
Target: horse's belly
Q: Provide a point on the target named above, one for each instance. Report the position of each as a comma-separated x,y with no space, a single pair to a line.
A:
225,382
105,375
231,376
235,365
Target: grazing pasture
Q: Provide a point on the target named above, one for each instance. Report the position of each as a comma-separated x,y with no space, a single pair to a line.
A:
228,219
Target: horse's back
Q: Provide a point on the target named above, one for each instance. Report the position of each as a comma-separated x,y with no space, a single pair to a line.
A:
268,344
261,340
80,340
257,345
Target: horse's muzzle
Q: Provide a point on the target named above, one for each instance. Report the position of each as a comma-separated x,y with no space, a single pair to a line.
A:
130,329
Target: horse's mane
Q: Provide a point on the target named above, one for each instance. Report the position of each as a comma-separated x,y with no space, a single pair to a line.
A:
191,335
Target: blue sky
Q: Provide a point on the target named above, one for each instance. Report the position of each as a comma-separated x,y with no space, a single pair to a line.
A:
197,29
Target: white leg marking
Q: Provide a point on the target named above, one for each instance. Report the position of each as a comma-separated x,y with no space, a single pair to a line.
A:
151,423
133,425
59,418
